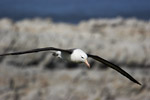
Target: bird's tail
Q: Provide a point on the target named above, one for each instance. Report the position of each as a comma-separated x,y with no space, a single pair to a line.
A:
57,54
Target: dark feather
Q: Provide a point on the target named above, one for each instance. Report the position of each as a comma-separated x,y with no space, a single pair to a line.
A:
113,66
37,50
70,51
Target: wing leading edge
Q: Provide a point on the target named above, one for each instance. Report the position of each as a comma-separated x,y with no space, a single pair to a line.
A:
113,66
35,50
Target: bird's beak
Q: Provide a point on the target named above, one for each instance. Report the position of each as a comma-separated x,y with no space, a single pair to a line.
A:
86,62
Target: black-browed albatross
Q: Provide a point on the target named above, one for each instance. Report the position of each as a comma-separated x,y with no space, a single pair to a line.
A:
77,56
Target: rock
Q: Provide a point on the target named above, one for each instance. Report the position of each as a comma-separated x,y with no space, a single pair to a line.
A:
125,42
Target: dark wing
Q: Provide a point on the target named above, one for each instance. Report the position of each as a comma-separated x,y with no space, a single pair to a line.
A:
36,50
113,66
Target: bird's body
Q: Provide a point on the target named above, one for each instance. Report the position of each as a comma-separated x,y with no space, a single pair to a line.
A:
77,56
63,55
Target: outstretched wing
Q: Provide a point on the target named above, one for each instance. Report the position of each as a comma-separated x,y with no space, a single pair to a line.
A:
36,50
115,67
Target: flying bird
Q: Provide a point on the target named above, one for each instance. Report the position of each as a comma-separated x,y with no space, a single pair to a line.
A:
77,56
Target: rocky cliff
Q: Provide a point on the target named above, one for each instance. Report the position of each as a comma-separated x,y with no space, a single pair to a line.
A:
125,42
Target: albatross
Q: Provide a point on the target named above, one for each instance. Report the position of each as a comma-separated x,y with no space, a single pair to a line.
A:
77,56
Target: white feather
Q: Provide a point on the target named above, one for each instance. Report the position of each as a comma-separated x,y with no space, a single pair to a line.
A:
78,56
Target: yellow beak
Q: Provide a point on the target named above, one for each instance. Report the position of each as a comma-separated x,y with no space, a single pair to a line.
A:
86,62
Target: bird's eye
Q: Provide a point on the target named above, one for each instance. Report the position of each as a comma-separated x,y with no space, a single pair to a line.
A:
82,57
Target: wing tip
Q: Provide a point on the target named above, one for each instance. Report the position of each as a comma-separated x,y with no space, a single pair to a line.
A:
135,81
1,55
139,83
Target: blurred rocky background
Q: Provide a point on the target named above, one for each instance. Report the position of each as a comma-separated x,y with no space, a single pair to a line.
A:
40,76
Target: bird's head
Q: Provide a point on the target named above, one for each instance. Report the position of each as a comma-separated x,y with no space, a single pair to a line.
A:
79,56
